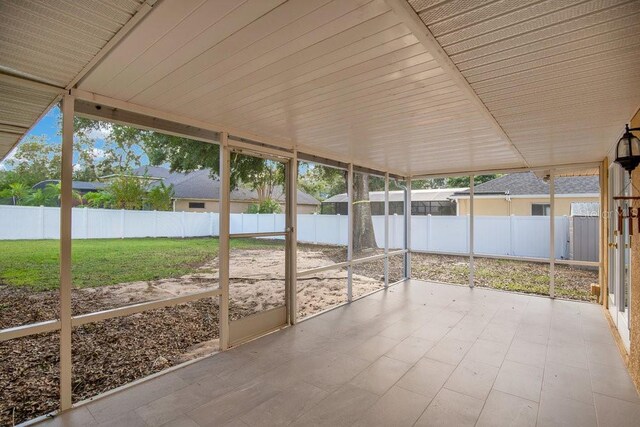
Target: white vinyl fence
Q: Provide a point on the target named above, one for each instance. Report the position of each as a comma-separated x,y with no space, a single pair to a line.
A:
526,236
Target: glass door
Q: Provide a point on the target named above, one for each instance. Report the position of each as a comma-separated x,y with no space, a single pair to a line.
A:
614,265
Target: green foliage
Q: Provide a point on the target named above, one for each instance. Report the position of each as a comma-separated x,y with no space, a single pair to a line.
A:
35,160
321,181
265,207
16,191
159,198
128,192
122,151
464,181
100,199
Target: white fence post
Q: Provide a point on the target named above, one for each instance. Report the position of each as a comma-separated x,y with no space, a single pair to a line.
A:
429,232
315,227
210,223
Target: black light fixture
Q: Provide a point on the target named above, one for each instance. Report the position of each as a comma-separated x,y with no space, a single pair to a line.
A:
628,150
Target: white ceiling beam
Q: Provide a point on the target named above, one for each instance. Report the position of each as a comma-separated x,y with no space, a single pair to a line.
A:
410,18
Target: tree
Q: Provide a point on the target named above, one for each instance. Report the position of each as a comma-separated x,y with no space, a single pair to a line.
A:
464,181
35,160
16,191
128,192
122,151
363,232
54,192
321,181
100,199
267,206
160,197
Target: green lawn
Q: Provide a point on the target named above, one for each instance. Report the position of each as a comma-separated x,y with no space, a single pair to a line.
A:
99,262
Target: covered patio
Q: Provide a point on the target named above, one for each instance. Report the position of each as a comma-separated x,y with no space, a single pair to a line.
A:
384,94
417,353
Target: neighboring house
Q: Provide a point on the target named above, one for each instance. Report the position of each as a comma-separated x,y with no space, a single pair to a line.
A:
423,202
198,192
82,187
526,194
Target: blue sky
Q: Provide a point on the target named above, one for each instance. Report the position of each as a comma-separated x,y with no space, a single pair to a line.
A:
48,127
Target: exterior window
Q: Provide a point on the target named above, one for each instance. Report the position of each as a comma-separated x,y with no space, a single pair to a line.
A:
540,209
196,205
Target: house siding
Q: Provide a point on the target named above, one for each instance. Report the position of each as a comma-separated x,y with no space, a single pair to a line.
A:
518,206
634,303
182,205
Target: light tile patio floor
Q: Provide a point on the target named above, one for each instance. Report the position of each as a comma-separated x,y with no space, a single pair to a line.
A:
417,354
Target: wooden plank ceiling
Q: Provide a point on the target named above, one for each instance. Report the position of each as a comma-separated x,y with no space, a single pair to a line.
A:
561,77
342,77
355,79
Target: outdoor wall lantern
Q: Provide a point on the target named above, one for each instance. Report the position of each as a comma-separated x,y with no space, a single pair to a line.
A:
628,156
628,150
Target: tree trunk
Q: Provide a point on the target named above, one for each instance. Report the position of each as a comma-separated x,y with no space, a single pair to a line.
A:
364,238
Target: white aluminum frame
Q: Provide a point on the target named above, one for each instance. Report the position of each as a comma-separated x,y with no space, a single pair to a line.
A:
350,231
174,125
386,229
66,203
472,271
552,235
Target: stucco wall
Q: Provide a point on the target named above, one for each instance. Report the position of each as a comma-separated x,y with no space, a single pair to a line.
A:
518,206
236,207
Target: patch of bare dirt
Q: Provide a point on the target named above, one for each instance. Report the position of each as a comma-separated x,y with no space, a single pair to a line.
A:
117,351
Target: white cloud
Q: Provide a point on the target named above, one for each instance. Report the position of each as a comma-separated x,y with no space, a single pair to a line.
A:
101,133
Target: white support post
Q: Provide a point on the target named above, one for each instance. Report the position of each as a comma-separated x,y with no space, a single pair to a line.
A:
291,241
350,231
386,230
552,234
66,203
223,240
471,226
407,230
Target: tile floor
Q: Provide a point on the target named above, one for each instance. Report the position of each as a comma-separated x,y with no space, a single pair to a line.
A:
418,354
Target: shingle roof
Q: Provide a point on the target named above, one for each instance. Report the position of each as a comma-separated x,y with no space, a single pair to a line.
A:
422,195
527,183
76,185
200,185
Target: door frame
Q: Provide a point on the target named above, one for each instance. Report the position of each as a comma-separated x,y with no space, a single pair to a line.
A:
619,243
258,324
